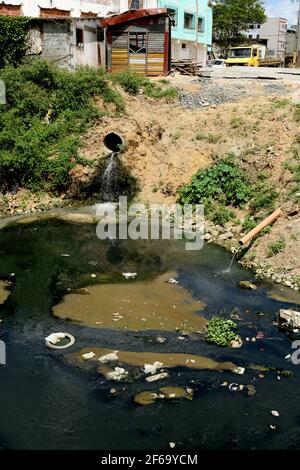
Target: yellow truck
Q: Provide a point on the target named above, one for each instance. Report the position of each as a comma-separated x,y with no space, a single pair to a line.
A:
254,55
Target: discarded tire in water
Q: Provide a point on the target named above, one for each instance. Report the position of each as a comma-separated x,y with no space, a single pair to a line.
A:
53,340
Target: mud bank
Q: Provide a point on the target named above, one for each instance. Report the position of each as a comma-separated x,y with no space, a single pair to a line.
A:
137,306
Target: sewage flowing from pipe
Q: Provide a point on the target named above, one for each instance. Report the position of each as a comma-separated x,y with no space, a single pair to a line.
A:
228,270
109,179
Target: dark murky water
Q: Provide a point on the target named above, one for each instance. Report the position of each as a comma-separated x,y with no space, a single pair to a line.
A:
46,403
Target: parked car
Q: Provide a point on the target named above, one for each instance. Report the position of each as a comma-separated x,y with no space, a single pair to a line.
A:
216,63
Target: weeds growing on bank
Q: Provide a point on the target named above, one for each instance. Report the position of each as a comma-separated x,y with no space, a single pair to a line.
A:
40,126
133,84
276,247
47,111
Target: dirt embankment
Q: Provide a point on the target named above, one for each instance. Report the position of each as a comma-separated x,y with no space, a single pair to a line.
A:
168,142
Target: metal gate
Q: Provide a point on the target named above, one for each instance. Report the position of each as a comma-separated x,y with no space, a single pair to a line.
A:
119,52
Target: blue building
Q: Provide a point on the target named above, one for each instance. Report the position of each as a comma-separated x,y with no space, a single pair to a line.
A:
192,24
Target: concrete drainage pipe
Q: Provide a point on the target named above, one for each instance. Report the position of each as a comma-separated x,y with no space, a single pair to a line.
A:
113,142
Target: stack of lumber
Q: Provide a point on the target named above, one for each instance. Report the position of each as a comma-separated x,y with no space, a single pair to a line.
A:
186,66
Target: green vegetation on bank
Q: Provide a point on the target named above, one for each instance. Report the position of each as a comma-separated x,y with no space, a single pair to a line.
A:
47,110
13,39
223,187
218,186
134,84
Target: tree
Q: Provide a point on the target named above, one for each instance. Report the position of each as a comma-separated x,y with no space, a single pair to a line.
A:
231,18
14,33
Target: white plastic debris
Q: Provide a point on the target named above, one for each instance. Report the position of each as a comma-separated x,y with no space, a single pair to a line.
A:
154,378
234,387
55,338
65,255
275,413
129,275
274,428
88,356
118,374
239,370
172,281
172,445
109,357
288,356
93,276
160,339
152,368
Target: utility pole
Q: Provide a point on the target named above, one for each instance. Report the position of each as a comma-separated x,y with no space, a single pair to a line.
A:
196,39
297,42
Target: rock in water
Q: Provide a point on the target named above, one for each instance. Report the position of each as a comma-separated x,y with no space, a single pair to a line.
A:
145,398
247,285
88,356
154,378
118,374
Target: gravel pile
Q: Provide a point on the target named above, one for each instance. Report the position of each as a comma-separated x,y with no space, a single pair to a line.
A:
275,89
212,94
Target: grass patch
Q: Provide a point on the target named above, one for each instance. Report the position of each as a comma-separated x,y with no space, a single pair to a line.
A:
221,214
175,137
265,197
279,104
210,137
297,113
133,84
236,122
275,247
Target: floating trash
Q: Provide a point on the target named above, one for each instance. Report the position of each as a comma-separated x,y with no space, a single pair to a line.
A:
53,341
129,275
88,356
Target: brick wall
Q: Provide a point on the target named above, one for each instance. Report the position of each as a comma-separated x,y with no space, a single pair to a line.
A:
10,10
54,13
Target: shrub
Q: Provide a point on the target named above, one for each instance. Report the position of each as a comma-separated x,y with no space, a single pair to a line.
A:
265,197
129,81
276,247
221,215
221,181
220,331
154,91
133,83
13,39
236,122
211,138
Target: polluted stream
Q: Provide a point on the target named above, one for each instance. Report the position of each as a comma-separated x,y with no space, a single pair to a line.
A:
57,276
